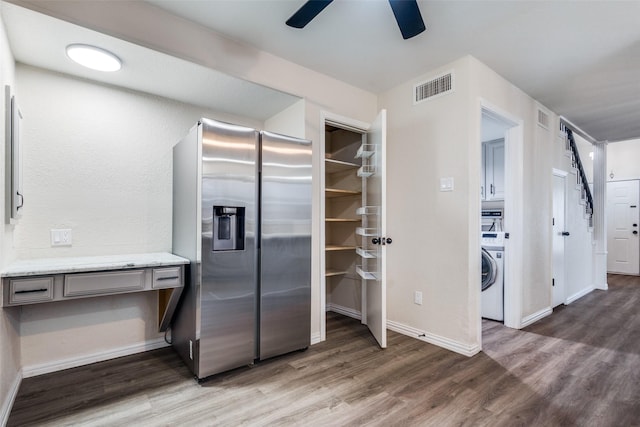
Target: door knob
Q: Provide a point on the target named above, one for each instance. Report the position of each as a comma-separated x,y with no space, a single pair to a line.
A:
565,233
375,241
389,241
635,231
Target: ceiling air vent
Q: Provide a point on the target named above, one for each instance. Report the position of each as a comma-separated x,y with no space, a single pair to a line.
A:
543,119
440,85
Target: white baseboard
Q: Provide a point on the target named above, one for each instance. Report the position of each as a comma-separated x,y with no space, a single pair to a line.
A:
533,318
73,362
449,344
579,295
464,349
345,311
315,338
10,399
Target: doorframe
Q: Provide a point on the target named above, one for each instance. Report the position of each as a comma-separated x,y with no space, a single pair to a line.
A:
561,174
347,123
513,220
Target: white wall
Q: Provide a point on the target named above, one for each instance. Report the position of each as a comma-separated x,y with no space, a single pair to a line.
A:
536,191
289,121
9,339
580,261
430,229
622,160
97,159
436,234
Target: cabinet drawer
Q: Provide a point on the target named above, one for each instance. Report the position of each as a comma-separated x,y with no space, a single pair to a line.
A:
103,283
170,277
25,291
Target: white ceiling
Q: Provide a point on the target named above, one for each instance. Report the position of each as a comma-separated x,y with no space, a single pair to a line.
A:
581,59
145,70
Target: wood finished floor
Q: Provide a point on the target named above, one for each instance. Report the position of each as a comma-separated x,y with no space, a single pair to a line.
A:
577,367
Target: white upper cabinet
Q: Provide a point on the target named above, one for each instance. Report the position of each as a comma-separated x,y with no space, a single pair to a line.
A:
493,170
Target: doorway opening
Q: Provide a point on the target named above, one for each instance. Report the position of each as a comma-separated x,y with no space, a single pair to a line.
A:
501,216
352,223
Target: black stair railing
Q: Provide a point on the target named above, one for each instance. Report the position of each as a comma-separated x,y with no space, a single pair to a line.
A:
581,177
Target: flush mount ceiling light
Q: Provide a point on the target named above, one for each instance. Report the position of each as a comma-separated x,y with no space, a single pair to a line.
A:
93,57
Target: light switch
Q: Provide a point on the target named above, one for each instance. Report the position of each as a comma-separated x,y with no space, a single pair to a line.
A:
61,237
446,184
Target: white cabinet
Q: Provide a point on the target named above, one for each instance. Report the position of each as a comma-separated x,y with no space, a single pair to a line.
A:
493,170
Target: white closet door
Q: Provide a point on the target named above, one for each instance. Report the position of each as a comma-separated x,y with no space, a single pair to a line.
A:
623,220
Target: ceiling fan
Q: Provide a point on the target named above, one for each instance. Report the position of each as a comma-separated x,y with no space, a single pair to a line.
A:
406,12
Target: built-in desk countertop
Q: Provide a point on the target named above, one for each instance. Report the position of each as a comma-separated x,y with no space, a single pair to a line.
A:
56,279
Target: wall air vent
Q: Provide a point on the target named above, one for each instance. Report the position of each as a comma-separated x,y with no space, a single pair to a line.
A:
438,86
543,119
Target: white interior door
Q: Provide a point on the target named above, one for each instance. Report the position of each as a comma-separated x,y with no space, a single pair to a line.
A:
559,275
376,285
623,219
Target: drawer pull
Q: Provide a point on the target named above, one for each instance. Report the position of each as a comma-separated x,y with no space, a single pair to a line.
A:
167,278
31,291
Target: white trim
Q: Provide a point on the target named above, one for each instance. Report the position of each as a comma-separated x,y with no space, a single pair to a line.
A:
579,295
345,311
315,338
440,341
532,318
73,362
561,173
10,399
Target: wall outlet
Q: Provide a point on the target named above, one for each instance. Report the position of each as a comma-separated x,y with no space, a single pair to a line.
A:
417,297
61,237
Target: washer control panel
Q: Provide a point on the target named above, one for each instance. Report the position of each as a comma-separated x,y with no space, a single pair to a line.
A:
493,238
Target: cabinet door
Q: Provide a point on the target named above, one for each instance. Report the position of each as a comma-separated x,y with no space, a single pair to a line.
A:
483,176
495,170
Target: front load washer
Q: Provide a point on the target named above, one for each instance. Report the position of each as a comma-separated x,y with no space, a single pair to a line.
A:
493,275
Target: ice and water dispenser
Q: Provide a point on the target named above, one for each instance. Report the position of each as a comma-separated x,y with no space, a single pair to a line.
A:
228,228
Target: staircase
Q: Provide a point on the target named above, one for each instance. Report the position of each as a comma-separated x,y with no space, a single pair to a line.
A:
586,197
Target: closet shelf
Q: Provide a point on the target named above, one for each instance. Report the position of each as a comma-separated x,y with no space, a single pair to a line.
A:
342,220
339,248
331,272
337,192
367,275
333,166
366,253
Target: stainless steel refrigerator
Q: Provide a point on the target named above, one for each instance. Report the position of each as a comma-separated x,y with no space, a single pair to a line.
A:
242,215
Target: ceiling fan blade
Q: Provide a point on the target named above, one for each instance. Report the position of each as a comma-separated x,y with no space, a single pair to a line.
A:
307,12
408,17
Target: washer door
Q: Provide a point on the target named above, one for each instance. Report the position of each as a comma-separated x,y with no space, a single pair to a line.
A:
489,270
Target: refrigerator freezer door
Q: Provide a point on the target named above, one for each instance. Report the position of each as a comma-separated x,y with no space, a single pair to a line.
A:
228,288
285,301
